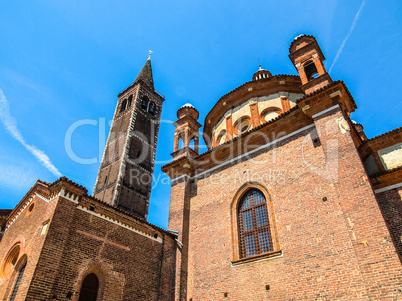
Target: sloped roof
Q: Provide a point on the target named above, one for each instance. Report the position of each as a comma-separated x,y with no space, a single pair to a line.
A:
146,75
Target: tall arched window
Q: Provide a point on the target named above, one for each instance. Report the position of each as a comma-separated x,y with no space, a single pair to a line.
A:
130,100
123,105
254,228
144,103
10,260
89,288
191,144
151,108
17,282
181,143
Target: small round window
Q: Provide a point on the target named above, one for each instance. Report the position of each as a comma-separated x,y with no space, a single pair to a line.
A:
30,208
242,125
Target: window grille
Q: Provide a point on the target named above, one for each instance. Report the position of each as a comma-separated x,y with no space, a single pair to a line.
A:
254,228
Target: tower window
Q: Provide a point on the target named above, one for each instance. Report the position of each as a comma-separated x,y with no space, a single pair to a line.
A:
151,108
311,70
144,103
123,105
254,228
181,143
130,100
126,103
191,144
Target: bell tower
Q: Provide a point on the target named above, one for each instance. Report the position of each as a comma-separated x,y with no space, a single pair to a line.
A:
186,136
308,59
125,175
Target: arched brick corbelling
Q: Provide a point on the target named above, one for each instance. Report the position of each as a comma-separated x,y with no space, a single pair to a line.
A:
234,218
97,269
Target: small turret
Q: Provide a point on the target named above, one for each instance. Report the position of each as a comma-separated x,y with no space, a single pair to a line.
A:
308,58
187,132
261,74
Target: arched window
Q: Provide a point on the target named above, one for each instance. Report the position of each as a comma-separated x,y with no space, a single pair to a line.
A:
17,282
10,259
311,70
89,288
242,125
269,114
254,229
144,103
151,108
191,144
181,143
130,100
123,105
222,137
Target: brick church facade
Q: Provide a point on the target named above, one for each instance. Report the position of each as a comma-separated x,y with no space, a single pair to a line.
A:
290,201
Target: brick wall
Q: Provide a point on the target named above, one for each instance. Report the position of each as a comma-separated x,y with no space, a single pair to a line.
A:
25,230
335,244
128,265
179,221
391,206
132,259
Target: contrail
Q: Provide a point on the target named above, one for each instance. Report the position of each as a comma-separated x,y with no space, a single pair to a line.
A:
11,126
347,36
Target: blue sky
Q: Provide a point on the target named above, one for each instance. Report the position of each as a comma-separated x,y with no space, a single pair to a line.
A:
64,61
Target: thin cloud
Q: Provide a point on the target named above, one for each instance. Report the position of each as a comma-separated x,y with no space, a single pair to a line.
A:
348,35
16,177
11,125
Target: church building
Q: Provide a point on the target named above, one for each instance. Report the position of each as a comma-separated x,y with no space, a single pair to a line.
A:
290,201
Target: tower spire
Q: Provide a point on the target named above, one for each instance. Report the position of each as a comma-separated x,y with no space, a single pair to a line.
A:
125,175
146,73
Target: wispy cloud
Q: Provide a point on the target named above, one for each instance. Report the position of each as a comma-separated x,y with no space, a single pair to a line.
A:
11,126
348,35
17,178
